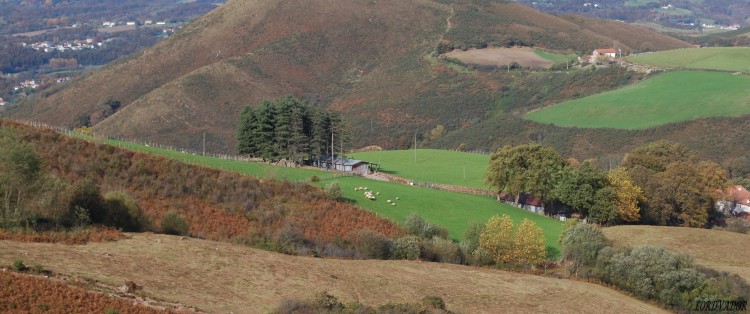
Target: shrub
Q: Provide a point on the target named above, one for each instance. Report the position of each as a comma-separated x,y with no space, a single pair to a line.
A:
417,226
445,251
333,191
123,212
85,194
314,178
372,244
581,245
18,265
173,223
406,248
471,237
433,302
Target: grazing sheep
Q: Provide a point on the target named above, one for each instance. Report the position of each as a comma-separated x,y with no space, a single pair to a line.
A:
397,198
393,204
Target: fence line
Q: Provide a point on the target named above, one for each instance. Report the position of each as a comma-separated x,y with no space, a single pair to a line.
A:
120,142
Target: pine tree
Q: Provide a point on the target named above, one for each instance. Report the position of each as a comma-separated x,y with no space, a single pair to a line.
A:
264,130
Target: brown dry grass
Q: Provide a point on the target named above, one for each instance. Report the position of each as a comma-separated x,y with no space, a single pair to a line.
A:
220,277
501,57
27,294
720,250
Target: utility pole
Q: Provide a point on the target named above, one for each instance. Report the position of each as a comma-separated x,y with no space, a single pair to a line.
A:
204,143
333,144
415,145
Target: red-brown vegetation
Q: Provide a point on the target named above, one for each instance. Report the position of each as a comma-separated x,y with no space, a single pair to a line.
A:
82,236
217,205
27,294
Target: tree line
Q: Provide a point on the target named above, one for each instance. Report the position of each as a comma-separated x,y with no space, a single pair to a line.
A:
290,128
660,183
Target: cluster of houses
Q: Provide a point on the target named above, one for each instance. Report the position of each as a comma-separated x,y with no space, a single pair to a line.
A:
31,84
131,23
74,45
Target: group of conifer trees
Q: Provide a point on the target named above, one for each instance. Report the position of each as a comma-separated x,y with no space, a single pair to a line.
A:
289,128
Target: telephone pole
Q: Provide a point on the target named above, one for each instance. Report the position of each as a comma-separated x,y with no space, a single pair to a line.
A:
204,143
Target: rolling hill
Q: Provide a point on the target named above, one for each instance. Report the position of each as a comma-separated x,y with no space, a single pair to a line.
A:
221,277
365,59
720,250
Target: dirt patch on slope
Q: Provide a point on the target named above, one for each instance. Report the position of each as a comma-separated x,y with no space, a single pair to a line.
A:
501,57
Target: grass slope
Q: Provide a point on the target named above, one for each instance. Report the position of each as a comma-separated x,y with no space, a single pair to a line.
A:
220,277
726,59
720,250
668,98
432,165
555,58
454,211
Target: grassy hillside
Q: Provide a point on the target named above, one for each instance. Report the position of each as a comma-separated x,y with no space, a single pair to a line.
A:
432,165
363,58
720,250
220,277
454,211
726,59
668,98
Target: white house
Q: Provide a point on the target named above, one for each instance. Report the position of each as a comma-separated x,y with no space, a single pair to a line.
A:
2,102
606,53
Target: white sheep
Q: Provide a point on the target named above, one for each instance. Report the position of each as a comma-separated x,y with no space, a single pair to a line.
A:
397,198
388,201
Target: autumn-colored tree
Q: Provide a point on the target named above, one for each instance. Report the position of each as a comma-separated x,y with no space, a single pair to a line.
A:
678,189
627,195
497,239
528,246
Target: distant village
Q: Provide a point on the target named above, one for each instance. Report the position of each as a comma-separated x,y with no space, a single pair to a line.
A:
74,45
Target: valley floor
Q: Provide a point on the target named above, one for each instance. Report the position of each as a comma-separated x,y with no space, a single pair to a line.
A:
221,277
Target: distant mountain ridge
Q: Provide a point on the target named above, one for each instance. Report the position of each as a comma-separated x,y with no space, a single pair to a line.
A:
367,59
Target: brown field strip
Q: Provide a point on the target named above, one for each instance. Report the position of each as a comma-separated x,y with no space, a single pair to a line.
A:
221,277
501,57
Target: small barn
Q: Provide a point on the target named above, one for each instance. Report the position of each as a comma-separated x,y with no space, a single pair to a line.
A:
344,164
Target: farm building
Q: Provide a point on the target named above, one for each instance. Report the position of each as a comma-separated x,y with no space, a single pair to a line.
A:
344,164
608,53
735,200
525,201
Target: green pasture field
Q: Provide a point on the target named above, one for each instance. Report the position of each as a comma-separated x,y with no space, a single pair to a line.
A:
667,98
432,165
720,58
555,58
453,211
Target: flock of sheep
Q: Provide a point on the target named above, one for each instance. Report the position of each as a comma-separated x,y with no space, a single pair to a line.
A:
369,195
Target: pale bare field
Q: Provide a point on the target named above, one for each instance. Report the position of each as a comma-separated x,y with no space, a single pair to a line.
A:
221,277
501,57
720,250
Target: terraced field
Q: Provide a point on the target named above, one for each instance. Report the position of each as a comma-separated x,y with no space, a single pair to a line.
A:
668,98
